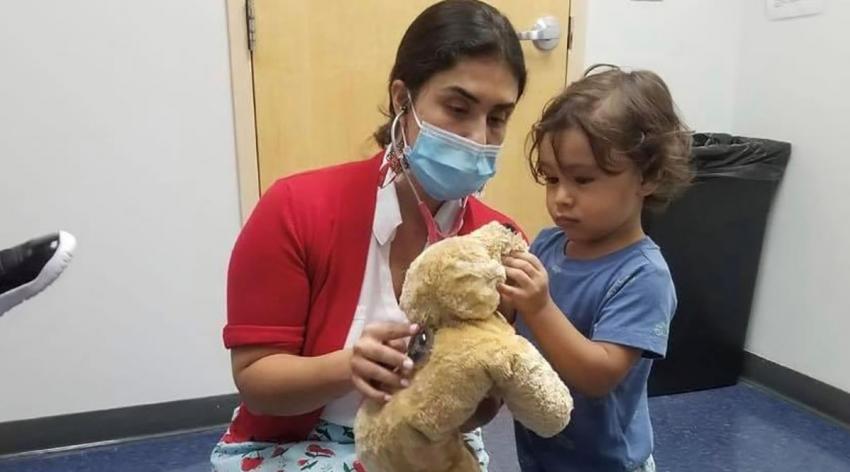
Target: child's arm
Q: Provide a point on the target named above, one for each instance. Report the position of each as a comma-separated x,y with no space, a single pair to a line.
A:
589,367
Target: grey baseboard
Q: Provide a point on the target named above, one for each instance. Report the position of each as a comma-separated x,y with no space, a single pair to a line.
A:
116,424
811,393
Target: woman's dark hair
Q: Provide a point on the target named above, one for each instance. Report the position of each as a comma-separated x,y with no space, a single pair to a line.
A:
446,33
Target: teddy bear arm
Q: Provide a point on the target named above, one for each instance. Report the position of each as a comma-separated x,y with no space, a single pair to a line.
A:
534,392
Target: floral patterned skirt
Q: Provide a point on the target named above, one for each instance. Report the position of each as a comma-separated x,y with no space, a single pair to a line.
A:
328,448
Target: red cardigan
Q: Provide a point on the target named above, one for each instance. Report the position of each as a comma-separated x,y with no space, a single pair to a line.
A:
296,271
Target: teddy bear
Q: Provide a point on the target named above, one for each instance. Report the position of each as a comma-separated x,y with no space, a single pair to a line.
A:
464,352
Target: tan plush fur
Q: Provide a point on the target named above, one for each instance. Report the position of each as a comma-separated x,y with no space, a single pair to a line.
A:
451,289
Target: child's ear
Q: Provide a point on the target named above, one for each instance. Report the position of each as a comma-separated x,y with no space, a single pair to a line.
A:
648,186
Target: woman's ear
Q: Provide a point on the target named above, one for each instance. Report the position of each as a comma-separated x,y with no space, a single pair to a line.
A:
399,94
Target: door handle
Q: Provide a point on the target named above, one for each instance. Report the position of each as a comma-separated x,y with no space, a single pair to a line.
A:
545,34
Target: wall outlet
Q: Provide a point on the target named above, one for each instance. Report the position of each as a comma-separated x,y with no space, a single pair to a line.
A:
782,9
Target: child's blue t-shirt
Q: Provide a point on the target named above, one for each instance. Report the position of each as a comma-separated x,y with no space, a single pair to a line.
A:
626,298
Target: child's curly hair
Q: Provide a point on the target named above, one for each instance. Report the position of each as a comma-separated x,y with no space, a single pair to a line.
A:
629,112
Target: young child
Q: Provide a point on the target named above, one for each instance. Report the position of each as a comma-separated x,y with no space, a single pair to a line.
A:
596,295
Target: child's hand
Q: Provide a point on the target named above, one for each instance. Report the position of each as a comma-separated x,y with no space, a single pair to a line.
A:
528,287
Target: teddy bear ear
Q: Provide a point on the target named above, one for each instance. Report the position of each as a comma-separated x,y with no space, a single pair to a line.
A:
511,228
488,270
493,271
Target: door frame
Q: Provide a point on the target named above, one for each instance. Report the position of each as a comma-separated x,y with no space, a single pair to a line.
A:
242,86
244,122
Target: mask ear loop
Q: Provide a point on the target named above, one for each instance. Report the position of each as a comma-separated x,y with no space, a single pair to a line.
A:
393,155
396,160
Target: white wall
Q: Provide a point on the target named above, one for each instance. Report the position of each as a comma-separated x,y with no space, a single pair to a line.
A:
730,69
688,42
116,124
793,84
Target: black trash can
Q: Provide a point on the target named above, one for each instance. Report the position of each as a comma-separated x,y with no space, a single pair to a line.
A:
712,239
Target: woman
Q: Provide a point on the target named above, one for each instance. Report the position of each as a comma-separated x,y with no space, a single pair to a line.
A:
313,320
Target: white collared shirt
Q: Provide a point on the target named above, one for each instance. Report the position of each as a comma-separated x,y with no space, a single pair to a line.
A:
377,300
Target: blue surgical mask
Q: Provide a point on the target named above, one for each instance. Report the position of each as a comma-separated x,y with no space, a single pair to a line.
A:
449,166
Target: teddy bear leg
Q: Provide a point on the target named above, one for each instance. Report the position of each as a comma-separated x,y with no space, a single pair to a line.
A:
449,455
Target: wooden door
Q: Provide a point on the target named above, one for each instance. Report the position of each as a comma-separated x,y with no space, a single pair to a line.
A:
320,78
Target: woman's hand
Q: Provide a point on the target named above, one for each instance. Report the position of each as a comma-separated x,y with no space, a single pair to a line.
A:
379,365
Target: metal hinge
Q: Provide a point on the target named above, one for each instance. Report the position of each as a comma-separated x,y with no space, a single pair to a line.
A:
570,33
249,19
